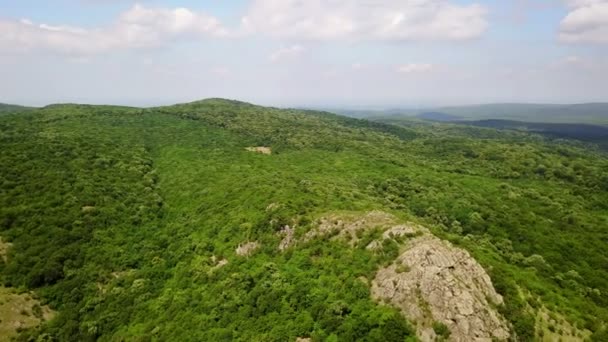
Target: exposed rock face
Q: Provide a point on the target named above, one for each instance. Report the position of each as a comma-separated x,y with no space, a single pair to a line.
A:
433,281
288,239
260,149
217,263
398,231
347,227
247,249
403,230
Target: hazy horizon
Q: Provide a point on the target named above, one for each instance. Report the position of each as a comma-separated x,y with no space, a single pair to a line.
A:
328,107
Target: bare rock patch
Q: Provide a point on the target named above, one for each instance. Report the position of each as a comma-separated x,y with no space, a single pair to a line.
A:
217,263
246,249
260,149
349,227
288,237
433,281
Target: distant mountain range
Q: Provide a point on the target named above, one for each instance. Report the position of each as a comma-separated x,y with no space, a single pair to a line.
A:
438,116
589,113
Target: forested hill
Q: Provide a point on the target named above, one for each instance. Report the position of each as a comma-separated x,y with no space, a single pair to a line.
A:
9,108
170,223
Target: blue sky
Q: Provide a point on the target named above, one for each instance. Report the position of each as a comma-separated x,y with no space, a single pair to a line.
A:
352,53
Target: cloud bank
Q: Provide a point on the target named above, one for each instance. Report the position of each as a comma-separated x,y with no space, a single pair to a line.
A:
587,22
139,27
349,20
355,20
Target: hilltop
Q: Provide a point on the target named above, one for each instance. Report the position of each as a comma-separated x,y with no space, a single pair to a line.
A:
223,220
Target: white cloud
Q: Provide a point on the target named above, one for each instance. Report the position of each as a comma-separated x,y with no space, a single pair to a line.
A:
415,68
587,22
580,3
286,53
366,19
139,27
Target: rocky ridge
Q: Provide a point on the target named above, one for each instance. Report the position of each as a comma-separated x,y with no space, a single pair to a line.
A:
432,282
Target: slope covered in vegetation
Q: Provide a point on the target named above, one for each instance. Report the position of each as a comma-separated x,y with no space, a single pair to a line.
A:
127,221
9,108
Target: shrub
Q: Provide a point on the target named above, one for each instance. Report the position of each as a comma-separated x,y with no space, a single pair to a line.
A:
441,330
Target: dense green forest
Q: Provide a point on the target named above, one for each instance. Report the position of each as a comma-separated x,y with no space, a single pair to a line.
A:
9,108
125,220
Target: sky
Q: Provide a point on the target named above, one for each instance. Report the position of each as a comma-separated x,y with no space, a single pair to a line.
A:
333,53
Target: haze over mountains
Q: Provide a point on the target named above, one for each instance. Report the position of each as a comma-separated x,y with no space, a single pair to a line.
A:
590,113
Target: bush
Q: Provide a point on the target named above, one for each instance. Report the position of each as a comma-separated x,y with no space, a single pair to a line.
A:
441,330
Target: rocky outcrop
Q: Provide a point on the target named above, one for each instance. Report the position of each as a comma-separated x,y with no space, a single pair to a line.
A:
433,281
407,230
247,248
260,149
217,263
348,226
397,232
288,237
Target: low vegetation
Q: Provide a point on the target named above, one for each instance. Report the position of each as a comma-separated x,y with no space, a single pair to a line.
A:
19,312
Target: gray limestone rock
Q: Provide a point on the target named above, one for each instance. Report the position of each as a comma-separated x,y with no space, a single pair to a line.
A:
433,281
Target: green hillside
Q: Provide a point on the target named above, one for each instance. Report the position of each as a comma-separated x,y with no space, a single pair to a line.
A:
127,221
9,108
